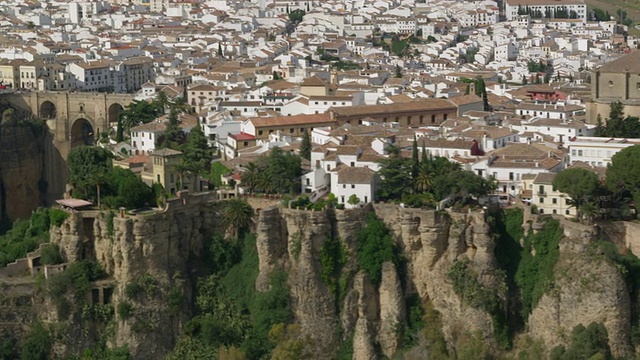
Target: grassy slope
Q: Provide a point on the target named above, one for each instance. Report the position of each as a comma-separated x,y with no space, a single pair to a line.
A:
632,7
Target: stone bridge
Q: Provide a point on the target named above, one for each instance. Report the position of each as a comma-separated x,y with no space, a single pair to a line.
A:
74,118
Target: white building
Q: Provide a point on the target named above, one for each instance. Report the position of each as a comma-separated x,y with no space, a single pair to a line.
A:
144,137
560,130
511,7
597,151
359,181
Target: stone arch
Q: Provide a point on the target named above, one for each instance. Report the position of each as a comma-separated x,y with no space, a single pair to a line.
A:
82,133
114,112
48,110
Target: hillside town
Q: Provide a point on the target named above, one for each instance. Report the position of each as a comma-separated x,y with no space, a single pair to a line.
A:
514,91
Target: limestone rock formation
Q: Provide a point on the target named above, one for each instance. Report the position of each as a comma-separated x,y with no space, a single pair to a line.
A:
163,246
392,310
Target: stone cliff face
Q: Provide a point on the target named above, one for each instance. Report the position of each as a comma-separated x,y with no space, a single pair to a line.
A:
163,247
374,316
21,170
587,287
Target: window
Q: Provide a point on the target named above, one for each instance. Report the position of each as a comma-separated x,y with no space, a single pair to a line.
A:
555,211
554,201
510,176
541,200
353,164
246,143
567,212
353,186
291,130
579,152
172,179
344,186
567,202
433,119
158,178
541,189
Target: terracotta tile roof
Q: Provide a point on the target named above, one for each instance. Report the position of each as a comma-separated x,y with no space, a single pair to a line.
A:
313,81
369,110
355,175
544,178
292,120
465,99
627,63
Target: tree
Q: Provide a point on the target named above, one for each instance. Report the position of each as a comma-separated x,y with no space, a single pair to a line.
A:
353,200
296,16
182,168
398,71
305,146
197,154
395,174
579,184
139,112
98,179
600,128
173,136
423,182
460,185
86,164
415,162
237,215
623,174
163,101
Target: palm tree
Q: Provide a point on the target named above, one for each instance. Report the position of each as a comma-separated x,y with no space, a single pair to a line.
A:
250,176
182,168
589,210
236,215
265,182
98,179
424,179
163,100
181,105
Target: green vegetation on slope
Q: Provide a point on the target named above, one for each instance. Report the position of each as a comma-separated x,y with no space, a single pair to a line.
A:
26,235
591,342
231,313
466,285
535,273
375,246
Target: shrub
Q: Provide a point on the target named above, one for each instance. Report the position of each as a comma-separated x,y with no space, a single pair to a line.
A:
332,258
57,216
50,255
175,300
125,310
109,220
535,273
148,283
37,344
24,236
98,312
132,290
591,342
375,246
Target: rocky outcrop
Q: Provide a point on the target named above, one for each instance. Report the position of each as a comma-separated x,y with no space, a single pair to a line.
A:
163,246
21,170
588,287
364,332
392,310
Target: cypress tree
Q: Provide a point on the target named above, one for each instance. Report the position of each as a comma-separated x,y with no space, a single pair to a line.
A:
305,146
